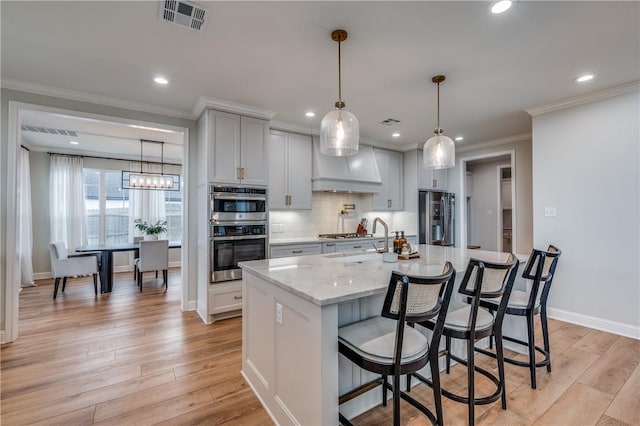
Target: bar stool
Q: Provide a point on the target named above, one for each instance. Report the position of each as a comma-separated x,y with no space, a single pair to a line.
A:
481,280
386,345
540,269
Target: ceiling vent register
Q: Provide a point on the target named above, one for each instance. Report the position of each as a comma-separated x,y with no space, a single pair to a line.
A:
49,131
183,13
389,122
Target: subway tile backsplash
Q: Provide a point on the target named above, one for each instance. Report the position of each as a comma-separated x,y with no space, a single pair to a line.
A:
325,217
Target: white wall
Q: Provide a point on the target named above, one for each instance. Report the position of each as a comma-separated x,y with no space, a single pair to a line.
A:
586,165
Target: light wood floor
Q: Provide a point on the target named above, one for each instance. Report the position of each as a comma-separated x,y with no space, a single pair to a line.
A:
130,358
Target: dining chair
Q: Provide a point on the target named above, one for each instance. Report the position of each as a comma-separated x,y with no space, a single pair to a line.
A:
66,266
136,254
540,270
482,279
154,256
388,344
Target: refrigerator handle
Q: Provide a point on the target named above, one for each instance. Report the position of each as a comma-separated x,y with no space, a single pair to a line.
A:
443,218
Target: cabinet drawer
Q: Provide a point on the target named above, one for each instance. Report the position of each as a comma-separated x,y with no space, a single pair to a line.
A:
295,250
224,301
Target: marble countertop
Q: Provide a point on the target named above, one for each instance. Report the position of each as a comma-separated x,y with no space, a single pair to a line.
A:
338,277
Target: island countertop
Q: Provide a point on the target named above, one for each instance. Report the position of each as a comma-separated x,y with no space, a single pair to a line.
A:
338,277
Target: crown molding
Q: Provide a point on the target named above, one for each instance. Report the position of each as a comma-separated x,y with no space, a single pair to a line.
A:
503,141
205,102
93,98
609,92
286,127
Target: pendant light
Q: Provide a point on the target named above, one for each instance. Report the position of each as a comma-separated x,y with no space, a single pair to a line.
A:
339,130
439,151
148,180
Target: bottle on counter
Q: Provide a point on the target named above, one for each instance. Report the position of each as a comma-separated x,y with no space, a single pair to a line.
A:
397,247
403,240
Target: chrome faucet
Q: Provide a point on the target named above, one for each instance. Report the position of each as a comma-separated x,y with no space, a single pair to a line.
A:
386,233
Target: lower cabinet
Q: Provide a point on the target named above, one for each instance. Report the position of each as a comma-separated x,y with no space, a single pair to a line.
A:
290,250
225,300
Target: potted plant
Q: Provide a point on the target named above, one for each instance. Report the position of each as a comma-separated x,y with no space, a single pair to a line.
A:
151,232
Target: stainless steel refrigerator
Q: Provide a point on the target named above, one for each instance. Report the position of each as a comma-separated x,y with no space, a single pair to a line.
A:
436,219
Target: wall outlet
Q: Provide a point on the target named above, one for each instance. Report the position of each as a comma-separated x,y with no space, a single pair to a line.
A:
278,313
550,211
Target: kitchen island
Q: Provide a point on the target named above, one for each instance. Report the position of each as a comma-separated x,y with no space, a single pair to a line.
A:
292,308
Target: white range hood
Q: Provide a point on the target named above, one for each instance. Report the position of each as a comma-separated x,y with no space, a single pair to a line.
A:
354,173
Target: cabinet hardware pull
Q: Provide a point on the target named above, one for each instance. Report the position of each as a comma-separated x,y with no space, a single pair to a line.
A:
388,203
331,244
357,246
297,251
242,172
434,182
237,297
238,175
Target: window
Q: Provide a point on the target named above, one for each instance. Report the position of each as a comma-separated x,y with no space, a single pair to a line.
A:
107,208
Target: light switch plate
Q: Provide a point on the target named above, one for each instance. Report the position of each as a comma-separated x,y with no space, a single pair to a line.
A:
550,211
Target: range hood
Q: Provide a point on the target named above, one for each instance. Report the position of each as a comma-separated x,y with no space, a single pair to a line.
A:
354,173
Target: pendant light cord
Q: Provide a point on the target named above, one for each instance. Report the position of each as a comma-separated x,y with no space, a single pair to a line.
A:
439,131
339,75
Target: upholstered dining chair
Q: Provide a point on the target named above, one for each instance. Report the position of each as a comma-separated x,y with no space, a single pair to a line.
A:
482,279
66,266
136,254
540,270
389,346
154,256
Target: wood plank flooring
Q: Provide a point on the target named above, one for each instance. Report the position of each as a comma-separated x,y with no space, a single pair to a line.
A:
130,358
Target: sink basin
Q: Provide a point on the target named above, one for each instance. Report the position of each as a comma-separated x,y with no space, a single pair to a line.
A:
356,257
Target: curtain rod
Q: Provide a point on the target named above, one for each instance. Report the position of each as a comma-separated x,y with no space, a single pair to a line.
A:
111,158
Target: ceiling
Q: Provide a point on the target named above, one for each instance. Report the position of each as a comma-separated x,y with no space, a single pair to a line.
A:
279,56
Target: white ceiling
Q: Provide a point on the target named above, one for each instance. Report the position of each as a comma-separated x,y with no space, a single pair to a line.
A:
279,56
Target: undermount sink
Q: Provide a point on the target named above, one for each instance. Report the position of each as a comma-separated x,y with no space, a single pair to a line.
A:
356,257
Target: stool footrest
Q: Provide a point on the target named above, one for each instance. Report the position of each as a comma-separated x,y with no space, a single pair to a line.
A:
366,387
546,361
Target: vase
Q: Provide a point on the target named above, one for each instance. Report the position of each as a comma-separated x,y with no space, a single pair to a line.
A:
150,237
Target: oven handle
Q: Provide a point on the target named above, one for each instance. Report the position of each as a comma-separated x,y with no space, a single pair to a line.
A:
238,197
217,222
240,237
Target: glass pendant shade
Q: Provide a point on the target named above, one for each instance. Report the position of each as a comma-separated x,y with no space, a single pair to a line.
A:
339,133
439,152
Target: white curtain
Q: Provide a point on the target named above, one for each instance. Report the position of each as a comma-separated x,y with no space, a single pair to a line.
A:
25,233
145,204
67,213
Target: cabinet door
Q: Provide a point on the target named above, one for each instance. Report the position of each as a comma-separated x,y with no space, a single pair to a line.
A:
299,171
277,170
253,155
225,147
390,166
431,178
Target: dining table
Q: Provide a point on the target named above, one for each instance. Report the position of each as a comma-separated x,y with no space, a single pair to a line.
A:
107,250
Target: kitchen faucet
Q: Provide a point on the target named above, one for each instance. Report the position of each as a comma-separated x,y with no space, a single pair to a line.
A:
386,233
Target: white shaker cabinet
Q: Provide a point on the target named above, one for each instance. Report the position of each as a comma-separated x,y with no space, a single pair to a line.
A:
238,151
431,178
390,165
289,171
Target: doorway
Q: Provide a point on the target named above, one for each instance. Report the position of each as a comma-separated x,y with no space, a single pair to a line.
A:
16,118
488,211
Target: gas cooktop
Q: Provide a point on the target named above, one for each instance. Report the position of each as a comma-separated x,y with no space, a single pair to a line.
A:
345,236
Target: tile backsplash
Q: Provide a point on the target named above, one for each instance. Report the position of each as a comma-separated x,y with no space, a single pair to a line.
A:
325,217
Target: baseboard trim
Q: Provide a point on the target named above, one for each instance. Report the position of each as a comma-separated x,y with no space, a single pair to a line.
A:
609,326
2,337
191,305
41,276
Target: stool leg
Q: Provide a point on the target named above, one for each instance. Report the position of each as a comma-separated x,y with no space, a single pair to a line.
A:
545,336
471,381
95,284
437,393
532,350
384,391
396,400
64,283
56,283
500,359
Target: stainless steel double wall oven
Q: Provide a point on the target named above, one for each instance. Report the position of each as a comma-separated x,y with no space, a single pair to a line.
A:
238,229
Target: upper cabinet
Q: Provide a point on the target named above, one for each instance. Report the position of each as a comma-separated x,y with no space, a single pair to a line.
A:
238,151
390,166
289,171
431,178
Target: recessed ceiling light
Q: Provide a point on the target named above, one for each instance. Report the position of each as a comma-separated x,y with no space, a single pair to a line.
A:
396,135
500,6
583,78
459,138
74,143
161,80
310,114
